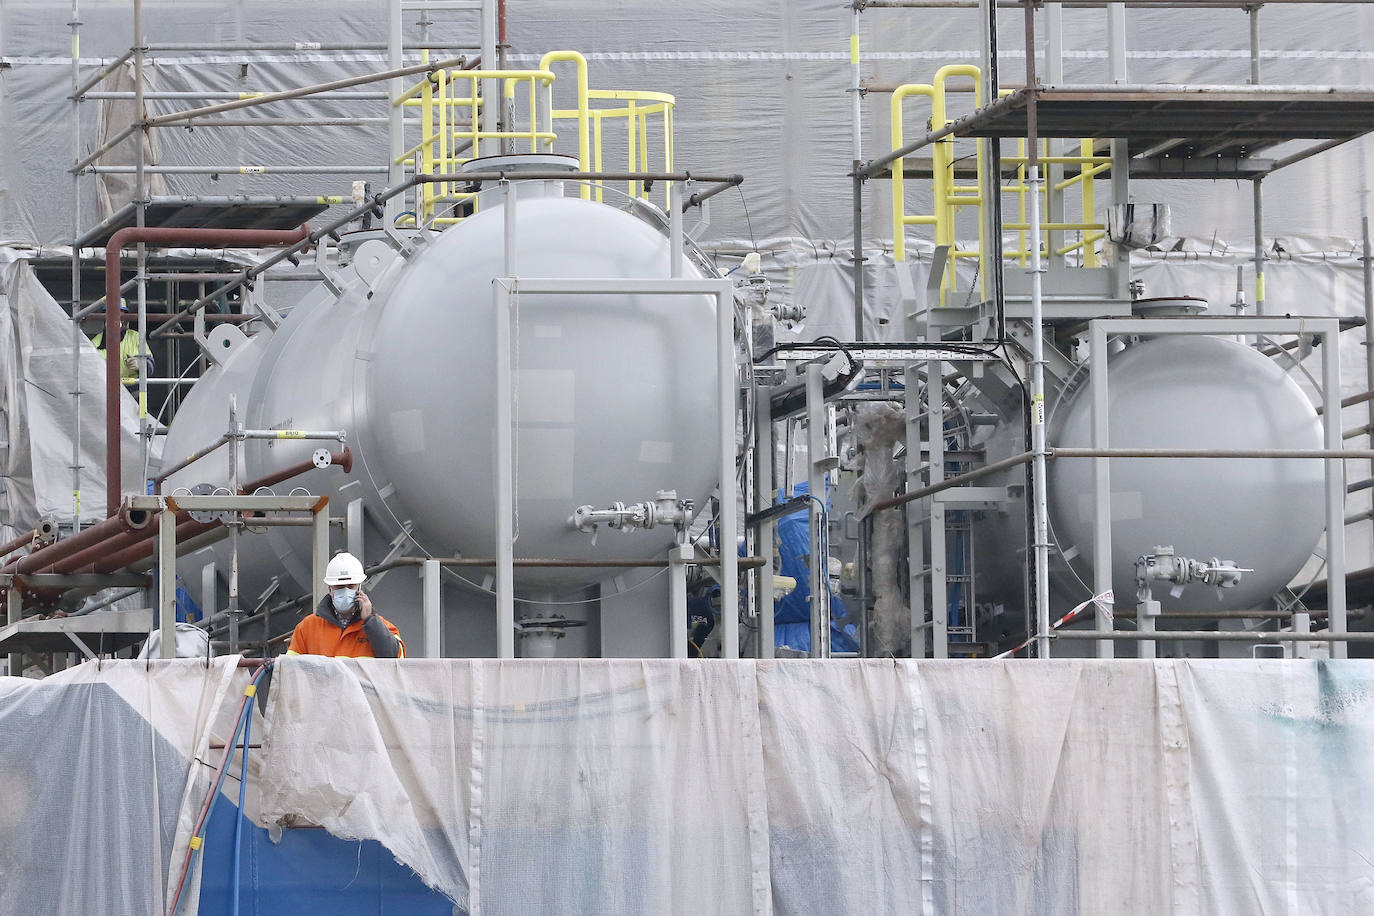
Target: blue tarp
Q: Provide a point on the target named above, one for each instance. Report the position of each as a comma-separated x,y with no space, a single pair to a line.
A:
792,613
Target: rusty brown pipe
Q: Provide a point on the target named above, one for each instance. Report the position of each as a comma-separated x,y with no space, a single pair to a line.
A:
157,235
45,530
124,520
187,529
96,557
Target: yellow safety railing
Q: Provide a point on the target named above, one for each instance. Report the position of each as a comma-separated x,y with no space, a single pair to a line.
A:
450,107
948,198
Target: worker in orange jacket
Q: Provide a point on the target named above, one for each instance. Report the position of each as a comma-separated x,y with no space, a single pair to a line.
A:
344,624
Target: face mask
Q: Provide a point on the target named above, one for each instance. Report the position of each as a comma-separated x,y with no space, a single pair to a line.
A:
343,599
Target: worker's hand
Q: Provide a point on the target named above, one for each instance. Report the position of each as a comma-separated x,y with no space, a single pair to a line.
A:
364,604
131,366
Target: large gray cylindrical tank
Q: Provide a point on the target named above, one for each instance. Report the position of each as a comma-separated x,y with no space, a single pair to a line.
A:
613,399
1196,392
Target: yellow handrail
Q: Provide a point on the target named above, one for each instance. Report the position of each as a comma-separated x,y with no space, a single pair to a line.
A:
950,197
447,141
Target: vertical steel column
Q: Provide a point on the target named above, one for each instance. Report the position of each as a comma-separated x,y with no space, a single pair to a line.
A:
815,452
1257,198
396,145
491,89
14,612
856,143
765,455
1368,264
433,610
505,480
167,581
674,230
916,562
1102,487
319,552
1120,151
1054,172
939,550
1335,488
75,25
679,556
729,495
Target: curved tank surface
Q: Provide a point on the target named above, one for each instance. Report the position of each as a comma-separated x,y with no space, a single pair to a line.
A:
1196,392
613,393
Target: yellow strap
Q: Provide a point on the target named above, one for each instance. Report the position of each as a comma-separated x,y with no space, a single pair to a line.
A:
854,48
196,842
289,652
250,690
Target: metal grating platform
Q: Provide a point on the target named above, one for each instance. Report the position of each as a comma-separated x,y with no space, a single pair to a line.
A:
1187,132
101,633
282,212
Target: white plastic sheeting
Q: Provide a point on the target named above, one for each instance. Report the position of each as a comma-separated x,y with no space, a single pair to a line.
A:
788,787
101,779
799,787
38,416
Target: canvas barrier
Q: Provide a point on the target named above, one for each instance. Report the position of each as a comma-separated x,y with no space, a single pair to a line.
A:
659,786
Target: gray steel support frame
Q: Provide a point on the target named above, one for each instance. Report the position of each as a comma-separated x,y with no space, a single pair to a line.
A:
167,507
817,517
433,609
505,290
939,552
1328,329
679,558
765,461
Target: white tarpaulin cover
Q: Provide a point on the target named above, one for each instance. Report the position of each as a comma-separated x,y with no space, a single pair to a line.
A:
790,787
38,412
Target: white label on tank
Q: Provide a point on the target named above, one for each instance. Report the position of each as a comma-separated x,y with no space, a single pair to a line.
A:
1127,505
408,431
544,463
548,330
545,396
651,452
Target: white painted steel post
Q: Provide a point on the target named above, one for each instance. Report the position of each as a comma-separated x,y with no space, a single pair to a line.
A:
433,611
678,558
167,581
505,434
815,453
729,511
319,552
1039,479
353,527
939,550
766,454
1102,487
674,230
505,477
14,613
396,173
491,89
1335,488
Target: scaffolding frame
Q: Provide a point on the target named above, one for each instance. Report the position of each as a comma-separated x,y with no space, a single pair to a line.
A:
1018,115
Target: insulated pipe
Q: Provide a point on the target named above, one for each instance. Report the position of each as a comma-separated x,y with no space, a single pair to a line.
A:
242,238
125,519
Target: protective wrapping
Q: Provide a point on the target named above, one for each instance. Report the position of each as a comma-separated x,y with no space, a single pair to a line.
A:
788,787
39,414
801,787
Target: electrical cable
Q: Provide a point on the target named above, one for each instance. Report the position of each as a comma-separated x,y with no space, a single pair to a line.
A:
243,792
197,840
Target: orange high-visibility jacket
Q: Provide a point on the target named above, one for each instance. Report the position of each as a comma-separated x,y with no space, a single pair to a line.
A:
319,635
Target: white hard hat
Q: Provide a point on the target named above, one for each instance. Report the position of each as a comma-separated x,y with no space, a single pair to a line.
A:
344,569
